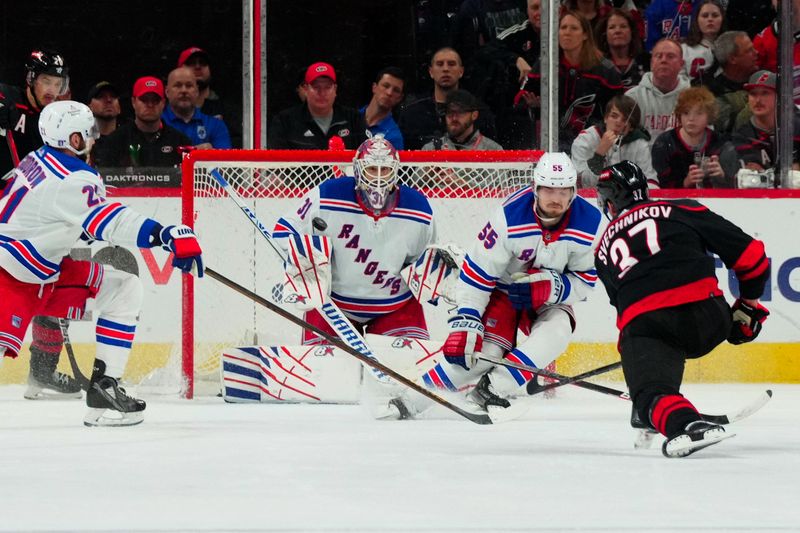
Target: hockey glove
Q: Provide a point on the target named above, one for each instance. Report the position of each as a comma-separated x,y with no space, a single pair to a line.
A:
9,115
535,288
465,338
747,321
182,242
308,271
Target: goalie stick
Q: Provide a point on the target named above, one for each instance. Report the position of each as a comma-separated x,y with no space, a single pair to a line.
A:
76,371
478,418
723,420
329,311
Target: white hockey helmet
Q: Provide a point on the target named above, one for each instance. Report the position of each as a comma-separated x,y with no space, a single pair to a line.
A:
555,170
376,164
61,119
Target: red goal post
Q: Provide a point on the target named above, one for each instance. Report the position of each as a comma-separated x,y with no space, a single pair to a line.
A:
463,187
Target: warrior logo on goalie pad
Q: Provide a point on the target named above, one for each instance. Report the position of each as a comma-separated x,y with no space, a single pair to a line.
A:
308,273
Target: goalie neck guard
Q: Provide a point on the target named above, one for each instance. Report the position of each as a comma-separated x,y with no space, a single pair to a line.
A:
376,164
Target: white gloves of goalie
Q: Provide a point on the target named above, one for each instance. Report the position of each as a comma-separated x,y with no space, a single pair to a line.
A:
308,272
433,275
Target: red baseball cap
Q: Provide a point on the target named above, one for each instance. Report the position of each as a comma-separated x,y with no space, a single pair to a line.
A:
186,54
148,84
318,70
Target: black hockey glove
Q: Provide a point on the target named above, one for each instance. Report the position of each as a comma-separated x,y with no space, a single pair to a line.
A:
747,321
9,115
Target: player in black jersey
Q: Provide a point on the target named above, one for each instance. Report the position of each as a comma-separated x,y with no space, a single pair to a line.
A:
46,79
655,264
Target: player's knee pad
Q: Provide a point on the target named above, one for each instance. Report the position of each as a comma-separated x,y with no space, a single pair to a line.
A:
120,296
549,338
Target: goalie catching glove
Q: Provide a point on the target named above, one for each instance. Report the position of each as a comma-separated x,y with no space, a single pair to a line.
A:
465,338
182,242
308,271
533,289
747,321
434,273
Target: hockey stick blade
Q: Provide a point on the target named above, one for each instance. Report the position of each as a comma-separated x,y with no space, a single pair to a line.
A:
73,363
742,413
478,418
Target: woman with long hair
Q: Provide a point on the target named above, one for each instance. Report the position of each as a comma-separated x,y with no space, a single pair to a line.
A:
618,38
708,23
586,80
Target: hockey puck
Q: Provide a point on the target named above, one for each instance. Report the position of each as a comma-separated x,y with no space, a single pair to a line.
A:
319,224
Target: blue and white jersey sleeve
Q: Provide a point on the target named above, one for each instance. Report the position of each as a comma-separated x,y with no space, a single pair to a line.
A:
484,264
298,221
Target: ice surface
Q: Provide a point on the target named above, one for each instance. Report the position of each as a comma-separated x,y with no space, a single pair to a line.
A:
568,465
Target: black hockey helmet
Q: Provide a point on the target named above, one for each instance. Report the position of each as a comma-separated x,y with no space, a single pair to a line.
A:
623,184
46,62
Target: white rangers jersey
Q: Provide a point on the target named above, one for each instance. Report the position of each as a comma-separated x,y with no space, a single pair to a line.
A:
50,200
514,241
368,252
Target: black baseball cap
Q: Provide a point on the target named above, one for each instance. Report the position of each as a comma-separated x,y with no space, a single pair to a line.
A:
100,86
461,101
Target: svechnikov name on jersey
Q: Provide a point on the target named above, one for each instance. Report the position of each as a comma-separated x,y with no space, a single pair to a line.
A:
634,216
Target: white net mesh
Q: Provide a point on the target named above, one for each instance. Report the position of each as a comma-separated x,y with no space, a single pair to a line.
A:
464,187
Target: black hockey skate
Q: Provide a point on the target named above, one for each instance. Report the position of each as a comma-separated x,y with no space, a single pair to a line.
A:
47,383
697,435
105,397
484,396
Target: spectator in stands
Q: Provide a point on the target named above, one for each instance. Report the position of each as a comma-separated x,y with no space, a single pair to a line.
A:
500,67
208,100
387,92
182,113
736,55
658,91
592,10
619,137
668,19
619,39
755,142
147,141
707,25
319,123
103,100
423,118
766,44
477,22
691,154
586,80
462,111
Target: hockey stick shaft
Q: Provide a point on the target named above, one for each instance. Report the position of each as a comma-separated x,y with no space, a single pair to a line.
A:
12,147
725,419
339,343
76,370
563,380
329,311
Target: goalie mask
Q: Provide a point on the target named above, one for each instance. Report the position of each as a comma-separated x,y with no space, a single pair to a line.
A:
376,164
61,119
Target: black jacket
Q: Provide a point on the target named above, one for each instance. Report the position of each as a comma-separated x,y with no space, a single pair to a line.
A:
423,120
295,129
25,131
128,146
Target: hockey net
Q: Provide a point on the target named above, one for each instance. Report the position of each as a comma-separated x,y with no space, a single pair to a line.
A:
464,187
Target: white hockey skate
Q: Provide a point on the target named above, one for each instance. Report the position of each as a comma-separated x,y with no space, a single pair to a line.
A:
697,435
